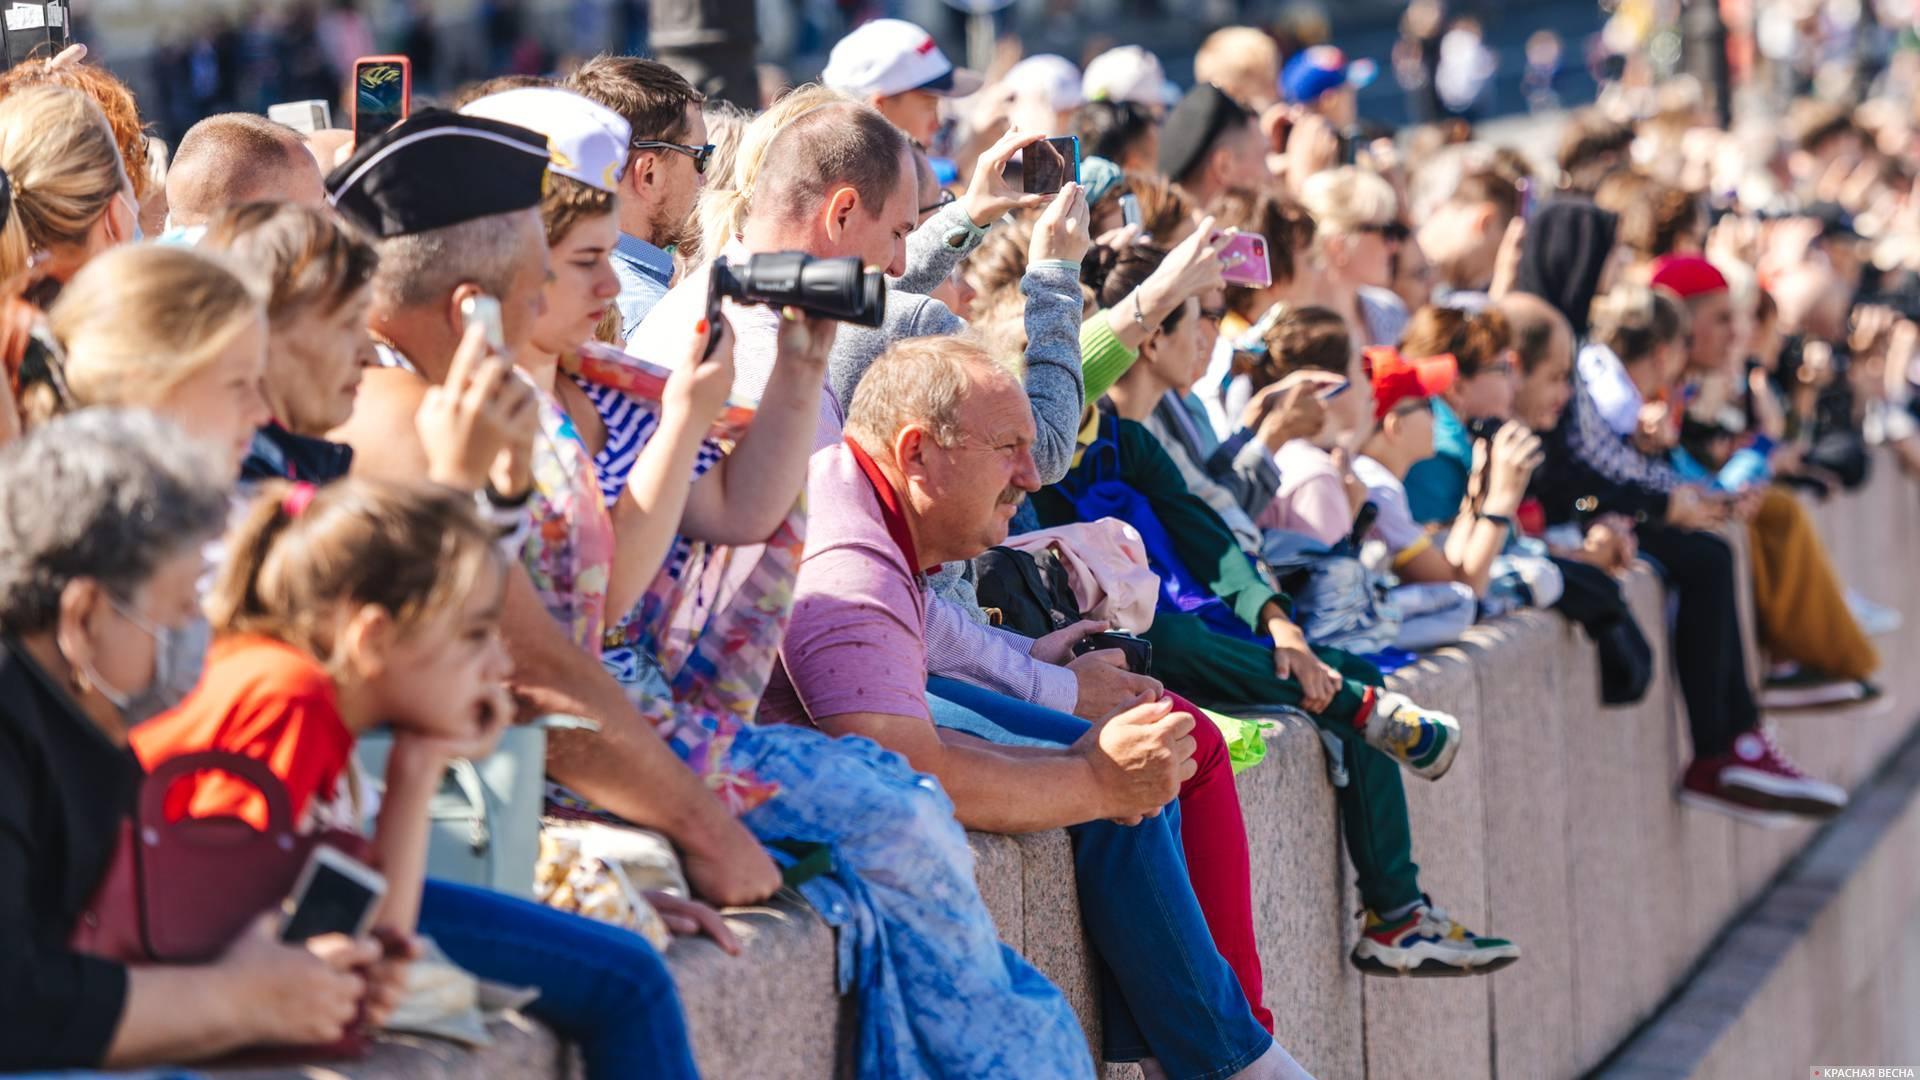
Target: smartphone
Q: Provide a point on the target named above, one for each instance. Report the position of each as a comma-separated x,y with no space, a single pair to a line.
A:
306,117
382,94
334,894
1130,209
1048,165
1251,270
1136,651
35,31
715,294
485,310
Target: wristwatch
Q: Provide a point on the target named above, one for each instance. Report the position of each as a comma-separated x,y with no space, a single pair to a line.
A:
1501,520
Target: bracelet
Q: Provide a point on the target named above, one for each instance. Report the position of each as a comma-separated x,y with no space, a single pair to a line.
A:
495,498
1501,520
1140,317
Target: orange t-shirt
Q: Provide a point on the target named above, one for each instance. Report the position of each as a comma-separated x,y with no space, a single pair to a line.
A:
264,699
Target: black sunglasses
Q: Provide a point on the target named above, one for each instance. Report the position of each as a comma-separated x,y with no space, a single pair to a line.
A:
1392,232
700,154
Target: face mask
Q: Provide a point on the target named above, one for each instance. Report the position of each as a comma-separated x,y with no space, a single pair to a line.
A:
179,652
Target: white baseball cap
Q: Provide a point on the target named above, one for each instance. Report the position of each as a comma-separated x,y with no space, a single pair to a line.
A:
1049,78
892,56
1129,73
587,140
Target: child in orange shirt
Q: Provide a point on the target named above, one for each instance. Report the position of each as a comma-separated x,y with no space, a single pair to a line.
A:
366,604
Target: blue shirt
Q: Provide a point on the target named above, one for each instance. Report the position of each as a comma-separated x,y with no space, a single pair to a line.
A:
1436,486
645,272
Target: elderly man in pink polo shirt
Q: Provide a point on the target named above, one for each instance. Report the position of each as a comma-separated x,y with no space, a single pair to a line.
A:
936,458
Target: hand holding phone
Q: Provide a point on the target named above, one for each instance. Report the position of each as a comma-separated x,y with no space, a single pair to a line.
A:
1047,166
334,894
1244,260
1137,651
1130,210
382,94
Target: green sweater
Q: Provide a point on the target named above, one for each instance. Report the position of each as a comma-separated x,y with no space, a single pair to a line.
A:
1102,358
1203,542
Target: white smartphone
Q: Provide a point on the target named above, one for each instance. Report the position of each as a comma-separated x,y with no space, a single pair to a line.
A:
334,894
305,117
485,310
1130,209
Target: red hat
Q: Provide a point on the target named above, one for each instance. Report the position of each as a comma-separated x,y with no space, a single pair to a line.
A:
1395,378
1687,276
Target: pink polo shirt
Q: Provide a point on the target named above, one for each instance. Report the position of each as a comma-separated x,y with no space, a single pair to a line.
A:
855,641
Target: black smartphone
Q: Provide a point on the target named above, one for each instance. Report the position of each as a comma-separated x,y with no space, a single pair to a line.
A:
335,894
382,94
1362,524
36,31
1137,651
1048,165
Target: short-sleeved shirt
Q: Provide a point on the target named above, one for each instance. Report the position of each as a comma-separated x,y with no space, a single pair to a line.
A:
269,701
855,643
1394,525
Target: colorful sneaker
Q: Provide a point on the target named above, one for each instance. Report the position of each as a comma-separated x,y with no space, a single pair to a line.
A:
1421,739
1757,776
1425,941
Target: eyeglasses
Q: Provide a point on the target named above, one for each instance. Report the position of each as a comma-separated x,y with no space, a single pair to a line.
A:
946,199
700,154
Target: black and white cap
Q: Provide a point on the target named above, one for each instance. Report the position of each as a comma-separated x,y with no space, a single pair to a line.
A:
436,169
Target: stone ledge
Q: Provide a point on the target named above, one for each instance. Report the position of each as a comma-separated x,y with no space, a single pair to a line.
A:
1557,826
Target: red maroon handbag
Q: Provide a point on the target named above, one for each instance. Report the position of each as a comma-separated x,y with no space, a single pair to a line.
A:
180,892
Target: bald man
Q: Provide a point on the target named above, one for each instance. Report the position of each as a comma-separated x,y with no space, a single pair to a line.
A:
236,158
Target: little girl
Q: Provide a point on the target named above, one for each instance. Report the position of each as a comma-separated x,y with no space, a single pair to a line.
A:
366,604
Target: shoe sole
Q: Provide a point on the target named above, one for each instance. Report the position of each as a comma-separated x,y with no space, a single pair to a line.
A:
1808,697
1736,811
1762,792
1430,965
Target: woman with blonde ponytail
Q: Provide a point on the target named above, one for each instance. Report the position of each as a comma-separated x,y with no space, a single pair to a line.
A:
71,196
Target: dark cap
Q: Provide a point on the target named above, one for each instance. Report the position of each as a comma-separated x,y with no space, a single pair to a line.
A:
436,169
1193,126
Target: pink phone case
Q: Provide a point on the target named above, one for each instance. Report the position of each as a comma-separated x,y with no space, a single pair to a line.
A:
1252,270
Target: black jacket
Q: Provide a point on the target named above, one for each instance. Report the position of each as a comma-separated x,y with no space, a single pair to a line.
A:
64,790
279,454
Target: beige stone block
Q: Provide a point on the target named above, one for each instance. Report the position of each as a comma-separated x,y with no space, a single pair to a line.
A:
1301,903
1449,842
997,870
1054,940
1525,713
772,1011
521,1048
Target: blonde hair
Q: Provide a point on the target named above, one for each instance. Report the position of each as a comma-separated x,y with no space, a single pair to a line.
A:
138,321
59,153
1345,200
1240,60
725,201
414,549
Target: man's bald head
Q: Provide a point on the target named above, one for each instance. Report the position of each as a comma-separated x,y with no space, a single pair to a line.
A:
236,158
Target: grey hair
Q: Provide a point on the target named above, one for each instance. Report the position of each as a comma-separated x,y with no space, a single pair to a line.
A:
425,267
104,494
920,381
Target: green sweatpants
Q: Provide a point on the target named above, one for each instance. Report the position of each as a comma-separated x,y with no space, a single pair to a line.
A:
1220,672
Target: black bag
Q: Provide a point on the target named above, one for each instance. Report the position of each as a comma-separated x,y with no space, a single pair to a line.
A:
1031,592
1593,599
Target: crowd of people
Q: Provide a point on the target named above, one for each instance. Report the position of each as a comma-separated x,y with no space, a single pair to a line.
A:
311,444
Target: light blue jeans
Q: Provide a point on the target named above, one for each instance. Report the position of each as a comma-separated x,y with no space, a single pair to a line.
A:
939,995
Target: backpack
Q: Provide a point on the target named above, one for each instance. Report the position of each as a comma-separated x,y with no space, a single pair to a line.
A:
1030,590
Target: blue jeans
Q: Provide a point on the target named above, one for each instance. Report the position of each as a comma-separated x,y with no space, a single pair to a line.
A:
1166,992
600,986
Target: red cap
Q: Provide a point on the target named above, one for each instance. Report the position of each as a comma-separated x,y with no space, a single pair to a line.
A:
1395,378
1687,276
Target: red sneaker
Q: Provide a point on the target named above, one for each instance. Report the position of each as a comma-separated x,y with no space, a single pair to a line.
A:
1756,776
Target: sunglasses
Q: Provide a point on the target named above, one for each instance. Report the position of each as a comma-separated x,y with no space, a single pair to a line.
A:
1393,232
700,154
946,199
